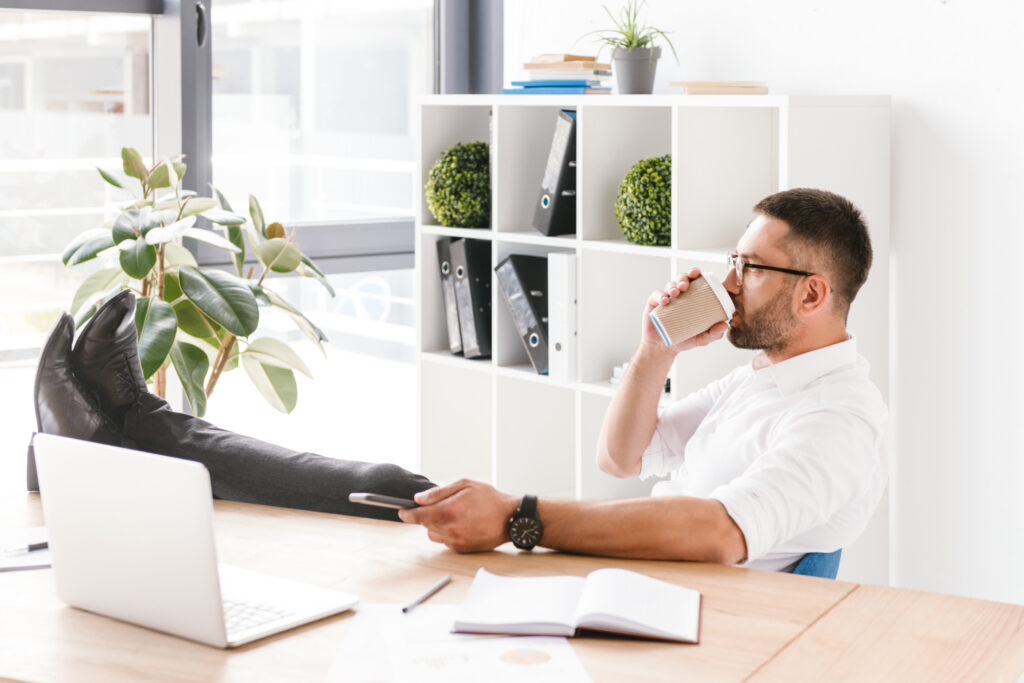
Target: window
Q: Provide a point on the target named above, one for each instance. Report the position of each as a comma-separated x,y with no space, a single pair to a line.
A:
314,105
76,88
314,113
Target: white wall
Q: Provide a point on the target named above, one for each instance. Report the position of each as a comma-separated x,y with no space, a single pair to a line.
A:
955,70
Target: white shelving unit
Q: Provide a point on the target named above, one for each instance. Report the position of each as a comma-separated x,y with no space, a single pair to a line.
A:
498,421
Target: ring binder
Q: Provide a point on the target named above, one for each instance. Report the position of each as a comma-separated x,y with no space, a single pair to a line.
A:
471,261
523,282
451,309
555,213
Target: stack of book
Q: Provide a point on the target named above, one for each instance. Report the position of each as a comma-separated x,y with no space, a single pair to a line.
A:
563,74
721,87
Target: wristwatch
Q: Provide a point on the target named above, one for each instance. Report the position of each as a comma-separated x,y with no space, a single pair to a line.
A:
525,528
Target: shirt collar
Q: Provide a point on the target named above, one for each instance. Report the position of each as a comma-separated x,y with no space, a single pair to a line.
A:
793,374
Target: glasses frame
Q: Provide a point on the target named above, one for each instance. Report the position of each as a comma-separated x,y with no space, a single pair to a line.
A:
737,263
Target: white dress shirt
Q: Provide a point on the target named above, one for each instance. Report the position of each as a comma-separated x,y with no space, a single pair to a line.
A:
795,451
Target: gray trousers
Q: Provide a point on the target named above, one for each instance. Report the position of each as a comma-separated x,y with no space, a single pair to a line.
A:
252,471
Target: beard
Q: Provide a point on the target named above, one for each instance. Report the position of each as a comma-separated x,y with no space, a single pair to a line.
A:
769,328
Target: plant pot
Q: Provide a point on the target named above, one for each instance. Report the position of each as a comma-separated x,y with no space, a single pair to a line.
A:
634,69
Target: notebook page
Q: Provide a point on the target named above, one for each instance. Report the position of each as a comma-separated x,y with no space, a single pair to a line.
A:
627,602
538,605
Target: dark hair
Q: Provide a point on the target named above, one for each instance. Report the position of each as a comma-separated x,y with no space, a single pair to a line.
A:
827,231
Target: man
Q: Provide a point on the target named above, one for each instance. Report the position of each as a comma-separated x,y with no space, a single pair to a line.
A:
781,457
96,392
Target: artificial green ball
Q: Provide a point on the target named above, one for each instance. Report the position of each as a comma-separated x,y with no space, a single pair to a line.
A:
644,205
458,190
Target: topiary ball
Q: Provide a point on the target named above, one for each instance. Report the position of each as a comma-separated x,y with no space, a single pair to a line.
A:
458,190
644,205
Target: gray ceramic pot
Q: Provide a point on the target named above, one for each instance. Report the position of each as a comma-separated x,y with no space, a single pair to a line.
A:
634,69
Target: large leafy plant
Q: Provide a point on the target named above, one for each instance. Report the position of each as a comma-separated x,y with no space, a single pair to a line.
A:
198,320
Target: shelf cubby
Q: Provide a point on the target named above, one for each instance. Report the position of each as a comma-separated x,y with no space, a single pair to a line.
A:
440,128
455,421
613,290
432,326
724,161
523,134
535,438
507,349
609,141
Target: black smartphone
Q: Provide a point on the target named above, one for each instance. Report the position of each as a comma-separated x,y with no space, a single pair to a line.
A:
382,501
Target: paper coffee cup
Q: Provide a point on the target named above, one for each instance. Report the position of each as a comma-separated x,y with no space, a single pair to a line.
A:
702,305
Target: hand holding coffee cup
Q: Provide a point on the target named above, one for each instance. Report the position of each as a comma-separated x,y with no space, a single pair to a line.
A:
697,308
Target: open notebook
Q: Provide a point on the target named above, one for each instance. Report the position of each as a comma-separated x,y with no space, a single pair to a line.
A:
614,600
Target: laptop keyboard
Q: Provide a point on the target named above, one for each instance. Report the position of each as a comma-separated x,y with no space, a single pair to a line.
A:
241,616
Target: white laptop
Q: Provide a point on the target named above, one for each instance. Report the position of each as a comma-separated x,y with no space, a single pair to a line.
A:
131,537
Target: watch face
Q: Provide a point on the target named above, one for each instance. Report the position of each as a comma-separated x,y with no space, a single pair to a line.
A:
525,532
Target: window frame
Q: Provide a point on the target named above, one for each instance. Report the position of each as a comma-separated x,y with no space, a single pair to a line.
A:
111,6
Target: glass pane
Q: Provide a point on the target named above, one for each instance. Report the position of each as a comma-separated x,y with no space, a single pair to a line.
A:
74,89
313,105
361,402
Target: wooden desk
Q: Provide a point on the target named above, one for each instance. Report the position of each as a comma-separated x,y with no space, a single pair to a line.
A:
753,623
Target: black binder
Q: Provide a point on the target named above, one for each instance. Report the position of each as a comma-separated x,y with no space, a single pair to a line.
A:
451,309
524,282
555,213
471,265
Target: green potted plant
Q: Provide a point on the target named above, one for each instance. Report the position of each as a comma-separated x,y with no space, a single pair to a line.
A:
198,320
634,54
458,189
643,206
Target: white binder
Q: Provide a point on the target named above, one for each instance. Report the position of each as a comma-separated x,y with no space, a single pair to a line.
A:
562,337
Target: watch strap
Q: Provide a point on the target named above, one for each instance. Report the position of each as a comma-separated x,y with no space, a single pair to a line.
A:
527,507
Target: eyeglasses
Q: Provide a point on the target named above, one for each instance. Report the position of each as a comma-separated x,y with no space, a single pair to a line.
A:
737,263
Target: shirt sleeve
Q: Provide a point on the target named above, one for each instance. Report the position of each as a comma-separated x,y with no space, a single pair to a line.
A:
819,463
676,424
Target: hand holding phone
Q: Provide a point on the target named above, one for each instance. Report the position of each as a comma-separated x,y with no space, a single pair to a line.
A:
382,501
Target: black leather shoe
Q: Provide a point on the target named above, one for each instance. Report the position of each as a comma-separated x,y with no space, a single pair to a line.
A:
63,406
106,356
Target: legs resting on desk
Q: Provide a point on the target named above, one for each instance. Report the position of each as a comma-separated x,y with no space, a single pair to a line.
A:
96,392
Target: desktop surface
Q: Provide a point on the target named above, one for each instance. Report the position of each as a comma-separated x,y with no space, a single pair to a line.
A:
754,625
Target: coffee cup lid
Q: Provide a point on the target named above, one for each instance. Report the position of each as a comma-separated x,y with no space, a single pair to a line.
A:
723,296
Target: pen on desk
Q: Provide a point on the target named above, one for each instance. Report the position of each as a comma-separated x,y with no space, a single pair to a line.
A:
27,548
430,591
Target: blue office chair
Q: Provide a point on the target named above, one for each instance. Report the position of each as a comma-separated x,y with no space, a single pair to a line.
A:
824,565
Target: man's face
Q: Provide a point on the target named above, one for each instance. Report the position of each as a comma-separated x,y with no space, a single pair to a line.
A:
764,316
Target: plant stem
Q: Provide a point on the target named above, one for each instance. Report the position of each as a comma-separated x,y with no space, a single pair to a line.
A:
160,382
160,272
223,354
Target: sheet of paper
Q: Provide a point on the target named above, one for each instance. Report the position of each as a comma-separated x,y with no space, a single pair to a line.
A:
385,645
14,561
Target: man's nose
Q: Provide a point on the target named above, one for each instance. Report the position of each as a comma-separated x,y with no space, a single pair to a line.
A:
730,283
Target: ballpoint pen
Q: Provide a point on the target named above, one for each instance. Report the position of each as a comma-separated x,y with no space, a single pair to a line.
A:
430,591
27,548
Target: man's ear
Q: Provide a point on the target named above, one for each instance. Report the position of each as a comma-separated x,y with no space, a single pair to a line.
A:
815,294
